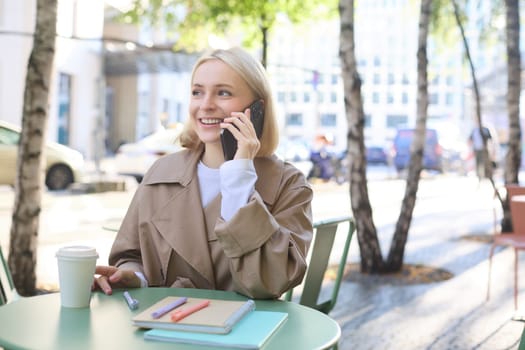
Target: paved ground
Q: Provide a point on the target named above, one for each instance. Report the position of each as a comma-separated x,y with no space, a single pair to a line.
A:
452,314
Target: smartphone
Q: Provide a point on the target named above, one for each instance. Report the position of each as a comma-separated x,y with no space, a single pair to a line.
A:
229,142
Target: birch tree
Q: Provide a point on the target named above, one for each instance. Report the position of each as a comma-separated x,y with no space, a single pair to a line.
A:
370,250
30,164
513,156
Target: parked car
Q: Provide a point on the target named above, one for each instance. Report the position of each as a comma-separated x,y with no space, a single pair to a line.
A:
297,152
63,167
376,155
134,159
432,156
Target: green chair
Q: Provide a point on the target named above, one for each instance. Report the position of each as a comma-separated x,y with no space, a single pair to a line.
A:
7,287
522,341
323,241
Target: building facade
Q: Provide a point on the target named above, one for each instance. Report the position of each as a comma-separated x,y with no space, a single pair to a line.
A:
306,70
76,106
114,83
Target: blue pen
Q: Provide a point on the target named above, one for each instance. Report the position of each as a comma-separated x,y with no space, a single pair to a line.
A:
167,308
133,304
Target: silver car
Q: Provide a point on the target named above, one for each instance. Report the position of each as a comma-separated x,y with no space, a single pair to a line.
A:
64,165
135,158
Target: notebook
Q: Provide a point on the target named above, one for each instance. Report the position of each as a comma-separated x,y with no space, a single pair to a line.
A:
251,332
218,317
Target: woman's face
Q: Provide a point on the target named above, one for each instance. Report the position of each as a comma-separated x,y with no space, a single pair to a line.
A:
217,91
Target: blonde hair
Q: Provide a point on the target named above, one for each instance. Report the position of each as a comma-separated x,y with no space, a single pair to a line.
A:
254,74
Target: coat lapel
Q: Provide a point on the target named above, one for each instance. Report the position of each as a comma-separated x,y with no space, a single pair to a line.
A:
187,235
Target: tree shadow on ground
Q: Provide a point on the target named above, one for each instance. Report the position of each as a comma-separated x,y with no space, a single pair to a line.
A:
410,274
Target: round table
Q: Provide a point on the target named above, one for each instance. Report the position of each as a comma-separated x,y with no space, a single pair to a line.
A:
41,323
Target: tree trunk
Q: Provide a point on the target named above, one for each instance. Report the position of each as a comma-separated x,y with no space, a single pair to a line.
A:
397,248
30,164
370,250
487,164
513,156
264,56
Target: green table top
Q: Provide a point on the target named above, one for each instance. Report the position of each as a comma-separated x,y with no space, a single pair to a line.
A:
41,323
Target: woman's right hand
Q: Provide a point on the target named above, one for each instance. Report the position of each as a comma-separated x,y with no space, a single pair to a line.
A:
109,277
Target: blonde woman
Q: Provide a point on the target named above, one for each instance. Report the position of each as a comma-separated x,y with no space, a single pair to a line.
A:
198,221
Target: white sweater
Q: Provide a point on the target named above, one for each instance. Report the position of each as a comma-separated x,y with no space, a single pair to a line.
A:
235,180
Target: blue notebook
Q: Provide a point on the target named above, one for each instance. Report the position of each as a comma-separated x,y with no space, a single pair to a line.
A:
251,332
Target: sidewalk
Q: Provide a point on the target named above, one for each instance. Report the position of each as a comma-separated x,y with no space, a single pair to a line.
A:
452,314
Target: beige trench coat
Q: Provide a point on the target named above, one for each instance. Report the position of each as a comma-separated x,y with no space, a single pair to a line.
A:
173,241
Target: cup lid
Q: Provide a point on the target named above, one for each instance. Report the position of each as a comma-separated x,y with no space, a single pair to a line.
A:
77,251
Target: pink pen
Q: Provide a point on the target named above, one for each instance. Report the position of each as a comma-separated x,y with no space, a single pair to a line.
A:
180,314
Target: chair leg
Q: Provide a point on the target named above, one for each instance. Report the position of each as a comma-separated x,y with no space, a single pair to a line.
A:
515,279
491,253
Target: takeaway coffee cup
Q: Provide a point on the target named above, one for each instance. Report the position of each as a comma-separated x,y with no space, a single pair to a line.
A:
76,268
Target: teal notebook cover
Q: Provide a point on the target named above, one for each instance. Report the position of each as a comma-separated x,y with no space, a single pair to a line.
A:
251,332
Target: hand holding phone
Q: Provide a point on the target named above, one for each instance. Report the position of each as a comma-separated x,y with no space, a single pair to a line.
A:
229,142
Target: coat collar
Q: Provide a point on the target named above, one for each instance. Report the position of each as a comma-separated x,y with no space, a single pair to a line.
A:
163,171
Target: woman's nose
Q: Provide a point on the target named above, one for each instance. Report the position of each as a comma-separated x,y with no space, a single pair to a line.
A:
208,102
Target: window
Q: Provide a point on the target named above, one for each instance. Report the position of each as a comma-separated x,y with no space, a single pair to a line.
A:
405,79
396,120
433,98
390,98
179,112
377,78
281,96
306,97
294,119
333,97
449,99
2,12
368,120
64,107
108,116
8,137
391,79
404,98
335,78
328,119
142,126
375,97
1,72
293,96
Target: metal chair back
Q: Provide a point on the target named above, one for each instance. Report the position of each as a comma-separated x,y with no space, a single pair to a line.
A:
323,242
7,287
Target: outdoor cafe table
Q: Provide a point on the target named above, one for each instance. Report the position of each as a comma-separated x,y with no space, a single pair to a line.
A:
40,322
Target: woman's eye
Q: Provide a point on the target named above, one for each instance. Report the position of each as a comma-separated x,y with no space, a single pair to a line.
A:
224,93
195,93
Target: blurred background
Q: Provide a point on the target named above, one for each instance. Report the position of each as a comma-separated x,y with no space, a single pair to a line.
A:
116,82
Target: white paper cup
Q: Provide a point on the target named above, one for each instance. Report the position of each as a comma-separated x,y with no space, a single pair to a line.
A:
76,269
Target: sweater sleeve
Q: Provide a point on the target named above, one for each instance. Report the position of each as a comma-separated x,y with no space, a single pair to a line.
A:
237,182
